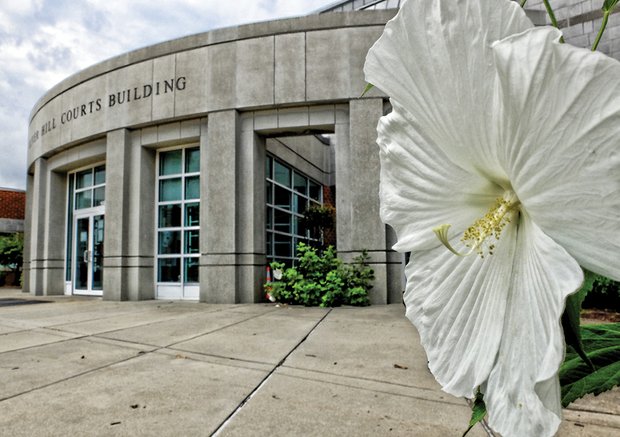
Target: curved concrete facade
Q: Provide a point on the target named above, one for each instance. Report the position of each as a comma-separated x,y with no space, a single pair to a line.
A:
242,96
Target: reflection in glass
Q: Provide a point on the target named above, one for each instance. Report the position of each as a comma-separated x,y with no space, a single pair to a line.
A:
282,197
100,175
170,189
192,214
192,187
192,241
299,183
169,242
315,191
281,221
192,160
282,174
191,269
81,253
169,270
170,216
84,179
83,199
99,198
170,162
299,204
282,245
97,259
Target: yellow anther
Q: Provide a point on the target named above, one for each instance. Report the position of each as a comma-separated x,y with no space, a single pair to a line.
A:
491,225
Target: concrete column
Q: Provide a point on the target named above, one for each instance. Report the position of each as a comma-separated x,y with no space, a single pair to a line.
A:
251,259
55,229
140,256
358,194
28,232
37,204
218,203
117,211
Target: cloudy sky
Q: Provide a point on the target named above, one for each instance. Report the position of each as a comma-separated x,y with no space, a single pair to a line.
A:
44,41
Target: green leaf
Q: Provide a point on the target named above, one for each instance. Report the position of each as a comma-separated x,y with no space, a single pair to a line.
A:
478,411
571,317
602,346
369,86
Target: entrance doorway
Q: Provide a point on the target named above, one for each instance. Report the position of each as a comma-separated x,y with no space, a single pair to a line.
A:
88,253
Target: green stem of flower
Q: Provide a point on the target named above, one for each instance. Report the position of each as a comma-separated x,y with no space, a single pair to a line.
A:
523,2
601,30
554,22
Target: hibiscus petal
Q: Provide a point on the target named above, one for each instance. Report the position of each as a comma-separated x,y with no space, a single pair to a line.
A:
434,58
522,393
457,305
561,145
422,189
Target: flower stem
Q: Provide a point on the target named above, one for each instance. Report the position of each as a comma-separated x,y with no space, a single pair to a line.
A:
601,30
523,2
554,22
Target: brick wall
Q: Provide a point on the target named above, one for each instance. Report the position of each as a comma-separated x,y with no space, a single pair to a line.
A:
12,204
580,22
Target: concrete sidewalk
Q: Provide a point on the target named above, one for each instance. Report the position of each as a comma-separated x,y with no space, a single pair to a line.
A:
82,366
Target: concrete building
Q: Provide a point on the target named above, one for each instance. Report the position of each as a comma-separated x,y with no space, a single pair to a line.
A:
178,170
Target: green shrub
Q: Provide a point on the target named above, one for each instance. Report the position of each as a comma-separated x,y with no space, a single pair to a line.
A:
322,279
605,294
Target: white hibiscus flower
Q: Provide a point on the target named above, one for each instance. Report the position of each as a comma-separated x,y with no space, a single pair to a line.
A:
513,139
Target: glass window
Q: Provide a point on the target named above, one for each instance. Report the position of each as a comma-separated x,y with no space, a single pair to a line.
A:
179,208
299,183
192,160
170,162
170,190
169,242
288,194
84,179
192,187
169,270
169,216
282,174
192,243
192,214
99,196
191,269
100,175
83,199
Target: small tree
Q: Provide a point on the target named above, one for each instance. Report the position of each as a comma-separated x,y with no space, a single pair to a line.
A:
12,252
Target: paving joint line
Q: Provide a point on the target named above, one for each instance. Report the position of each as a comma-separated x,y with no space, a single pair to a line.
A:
231,416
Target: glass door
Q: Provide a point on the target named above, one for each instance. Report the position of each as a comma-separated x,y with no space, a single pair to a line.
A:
88,255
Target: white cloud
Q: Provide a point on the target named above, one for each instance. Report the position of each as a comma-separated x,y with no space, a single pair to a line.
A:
44,41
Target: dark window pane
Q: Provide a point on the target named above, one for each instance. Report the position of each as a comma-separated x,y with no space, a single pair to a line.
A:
281,221
192,160
169,216
99,198
169,270
282,245
84,179
299,204
299,183
169,242
269,192
191,269
192,241
170,189
192,214
100,175
268,245
170,162
192,188
83,199
268,165
269,217
282,198
299,227
282,174
315,191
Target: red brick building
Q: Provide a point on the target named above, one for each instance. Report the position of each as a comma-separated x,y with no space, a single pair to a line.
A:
12,210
